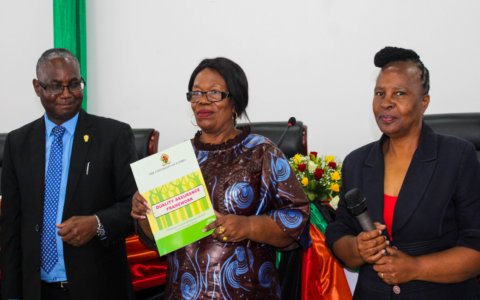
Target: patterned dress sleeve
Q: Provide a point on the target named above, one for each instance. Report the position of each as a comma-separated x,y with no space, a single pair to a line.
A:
283,199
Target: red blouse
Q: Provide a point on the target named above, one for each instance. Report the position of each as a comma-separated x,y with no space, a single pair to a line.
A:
388,208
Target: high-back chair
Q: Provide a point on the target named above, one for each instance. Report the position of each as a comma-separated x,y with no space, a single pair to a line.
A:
3,137
295,141
146,268
146,141
462,125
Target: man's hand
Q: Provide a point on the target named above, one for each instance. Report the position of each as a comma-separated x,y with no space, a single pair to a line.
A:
78,230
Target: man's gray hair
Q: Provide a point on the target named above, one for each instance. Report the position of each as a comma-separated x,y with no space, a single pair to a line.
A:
52,54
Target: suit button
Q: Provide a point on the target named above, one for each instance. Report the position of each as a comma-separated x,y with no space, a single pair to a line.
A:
38,269
37,227
396,289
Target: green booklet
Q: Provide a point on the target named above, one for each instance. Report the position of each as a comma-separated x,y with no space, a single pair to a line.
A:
173,185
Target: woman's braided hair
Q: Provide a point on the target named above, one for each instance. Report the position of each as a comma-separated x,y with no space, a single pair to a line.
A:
392,54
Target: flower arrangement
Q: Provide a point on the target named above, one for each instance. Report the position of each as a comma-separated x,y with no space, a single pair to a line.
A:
321,177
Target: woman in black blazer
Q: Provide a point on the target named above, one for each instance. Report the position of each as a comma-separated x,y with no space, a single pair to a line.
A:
425,188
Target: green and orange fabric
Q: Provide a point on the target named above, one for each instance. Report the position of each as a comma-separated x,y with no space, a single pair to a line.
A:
323,278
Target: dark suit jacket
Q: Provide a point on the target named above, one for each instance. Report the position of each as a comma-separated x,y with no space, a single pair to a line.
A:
97,270
438,208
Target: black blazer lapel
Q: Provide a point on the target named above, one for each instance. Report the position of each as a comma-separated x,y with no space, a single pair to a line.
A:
373,174
37,161
417,179
80,149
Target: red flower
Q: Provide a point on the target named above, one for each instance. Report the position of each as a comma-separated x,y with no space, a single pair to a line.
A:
302,167
332,165
314,153
319,173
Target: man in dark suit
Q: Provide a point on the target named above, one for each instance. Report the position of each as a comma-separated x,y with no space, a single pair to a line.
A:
67,189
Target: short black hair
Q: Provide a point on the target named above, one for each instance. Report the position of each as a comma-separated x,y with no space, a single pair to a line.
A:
55,53
235,79
392,54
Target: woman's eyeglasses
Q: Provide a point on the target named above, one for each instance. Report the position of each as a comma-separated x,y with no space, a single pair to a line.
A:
212,96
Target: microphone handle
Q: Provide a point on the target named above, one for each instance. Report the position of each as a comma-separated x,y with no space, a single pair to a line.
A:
283,136
366,223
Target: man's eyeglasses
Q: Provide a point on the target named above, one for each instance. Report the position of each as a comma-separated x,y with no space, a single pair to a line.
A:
212,96
74,87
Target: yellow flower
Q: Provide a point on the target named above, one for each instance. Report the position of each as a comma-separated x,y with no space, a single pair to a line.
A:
329,159
335,187
305,181
336,176
297,159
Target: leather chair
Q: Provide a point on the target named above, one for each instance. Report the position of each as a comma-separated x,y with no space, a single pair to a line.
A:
148,271
146,141
295,141
148,284
3,137
462,125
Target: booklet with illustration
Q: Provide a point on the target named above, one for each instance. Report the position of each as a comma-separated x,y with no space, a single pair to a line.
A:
173,185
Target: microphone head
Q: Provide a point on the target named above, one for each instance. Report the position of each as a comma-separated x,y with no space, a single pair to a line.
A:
356,202
292,121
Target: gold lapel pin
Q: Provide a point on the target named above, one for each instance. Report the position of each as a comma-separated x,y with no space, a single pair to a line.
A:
86,138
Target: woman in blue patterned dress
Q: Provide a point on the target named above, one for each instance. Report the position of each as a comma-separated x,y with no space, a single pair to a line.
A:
260,204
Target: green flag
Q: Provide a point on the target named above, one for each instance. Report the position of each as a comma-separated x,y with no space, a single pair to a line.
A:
70,32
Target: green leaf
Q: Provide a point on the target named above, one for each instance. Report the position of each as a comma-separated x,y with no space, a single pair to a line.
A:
323,196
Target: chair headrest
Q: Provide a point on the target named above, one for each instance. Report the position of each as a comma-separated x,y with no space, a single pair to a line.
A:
293,142
142,137
462,125
3,137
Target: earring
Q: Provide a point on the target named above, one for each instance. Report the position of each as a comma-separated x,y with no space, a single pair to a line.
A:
191,121
234,116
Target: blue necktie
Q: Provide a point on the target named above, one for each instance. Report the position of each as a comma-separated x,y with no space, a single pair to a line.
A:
48,246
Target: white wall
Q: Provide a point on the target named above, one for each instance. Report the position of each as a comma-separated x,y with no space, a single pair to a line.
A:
26,30
309,59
